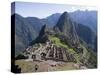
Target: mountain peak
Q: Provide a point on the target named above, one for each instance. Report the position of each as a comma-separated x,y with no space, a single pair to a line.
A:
43,30
42,37
64,22
66,26
65,13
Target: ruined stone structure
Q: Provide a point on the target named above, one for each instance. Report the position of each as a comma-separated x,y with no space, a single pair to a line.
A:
48,51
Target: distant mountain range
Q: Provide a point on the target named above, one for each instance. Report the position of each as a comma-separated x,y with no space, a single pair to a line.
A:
88,18
27,29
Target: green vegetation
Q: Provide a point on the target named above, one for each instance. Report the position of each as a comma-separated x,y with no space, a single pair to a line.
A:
72,51
92,60
76,56
57,41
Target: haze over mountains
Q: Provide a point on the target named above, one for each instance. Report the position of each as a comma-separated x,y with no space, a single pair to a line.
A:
27,29
88,18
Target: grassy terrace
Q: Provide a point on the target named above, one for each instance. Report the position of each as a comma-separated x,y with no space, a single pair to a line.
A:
58,42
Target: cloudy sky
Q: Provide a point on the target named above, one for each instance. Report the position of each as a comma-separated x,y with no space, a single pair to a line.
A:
42,10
